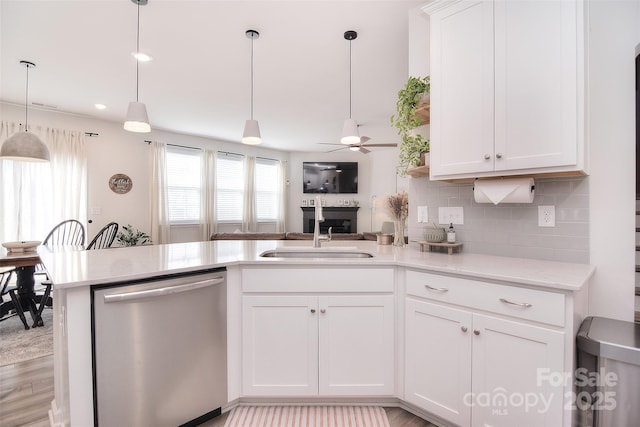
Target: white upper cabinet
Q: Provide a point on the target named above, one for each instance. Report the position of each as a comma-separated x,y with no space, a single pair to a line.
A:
507,88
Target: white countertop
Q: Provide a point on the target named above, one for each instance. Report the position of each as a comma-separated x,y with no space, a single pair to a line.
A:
72,268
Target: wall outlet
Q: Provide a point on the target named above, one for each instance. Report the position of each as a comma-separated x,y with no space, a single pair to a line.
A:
423,214
449,215
546,216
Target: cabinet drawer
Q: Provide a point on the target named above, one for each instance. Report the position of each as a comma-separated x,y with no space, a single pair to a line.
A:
530,304
317,280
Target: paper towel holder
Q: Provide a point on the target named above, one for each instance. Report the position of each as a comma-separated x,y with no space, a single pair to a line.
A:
533,187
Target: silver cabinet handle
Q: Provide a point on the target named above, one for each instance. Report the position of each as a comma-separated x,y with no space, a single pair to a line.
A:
463,329
487,156
498,155
519,304
322,310
168,290
313,310
431,288
476,332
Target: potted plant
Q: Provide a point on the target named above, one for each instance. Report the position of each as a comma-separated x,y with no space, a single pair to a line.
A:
131,236
411,98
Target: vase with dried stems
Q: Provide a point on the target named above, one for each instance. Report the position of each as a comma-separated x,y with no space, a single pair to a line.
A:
398,206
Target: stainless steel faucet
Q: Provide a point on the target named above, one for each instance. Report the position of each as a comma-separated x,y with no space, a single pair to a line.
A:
317,237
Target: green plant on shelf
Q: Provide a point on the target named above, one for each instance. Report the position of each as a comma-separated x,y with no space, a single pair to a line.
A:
405,120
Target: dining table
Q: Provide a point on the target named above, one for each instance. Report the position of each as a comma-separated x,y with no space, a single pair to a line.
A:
27,300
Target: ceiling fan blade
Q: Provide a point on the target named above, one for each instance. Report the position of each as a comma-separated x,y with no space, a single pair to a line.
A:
364,139
382,145
364,150
328,143
336,149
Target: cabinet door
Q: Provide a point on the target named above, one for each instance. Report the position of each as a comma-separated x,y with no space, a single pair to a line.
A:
536,84
512,364
438,360
462,88
280,345
356,345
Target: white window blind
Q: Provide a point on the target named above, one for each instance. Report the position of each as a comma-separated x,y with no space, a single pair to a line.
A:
267,189
183,185
230,187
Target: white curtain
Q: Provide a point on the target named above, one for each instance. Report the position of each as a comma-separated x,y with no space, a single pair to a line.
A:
249,222
281,224
207,197
34,197
160,229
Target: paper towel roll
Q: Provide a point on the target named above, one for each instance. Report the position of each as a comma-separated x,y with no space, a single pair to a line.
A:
506,190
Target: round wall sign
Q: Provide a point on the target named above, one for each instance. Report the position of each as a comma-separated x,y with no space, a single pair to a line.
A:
120,183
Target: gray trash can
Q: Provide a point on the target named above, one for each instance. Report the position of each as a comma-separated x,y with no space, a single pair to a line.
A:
608,374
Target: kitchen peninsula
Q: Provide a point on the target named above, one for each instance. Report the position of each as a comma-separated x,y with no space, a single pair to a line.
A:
520,316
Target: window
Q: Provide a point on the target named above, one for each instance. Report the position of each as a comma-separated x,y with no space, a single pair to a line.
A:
229,187
183,185
267,189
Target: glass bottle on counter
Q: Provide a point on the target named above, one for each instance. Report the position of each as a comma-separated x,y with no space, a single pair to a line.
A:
451,234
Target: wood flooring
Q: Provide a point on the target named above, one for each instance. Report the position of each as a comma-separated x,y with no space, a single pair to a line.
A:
26,392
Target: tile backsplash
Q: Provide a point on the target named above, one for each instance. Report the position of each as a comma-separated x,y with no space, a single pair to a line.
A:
511,229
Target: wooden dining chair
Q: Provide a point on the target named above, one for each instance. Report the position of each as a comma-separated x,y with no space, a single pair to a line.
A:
10,307
69,232
105,237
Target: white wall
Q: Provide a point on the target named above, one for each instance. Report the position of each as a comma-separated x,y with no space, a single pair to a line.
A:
118,151
614,33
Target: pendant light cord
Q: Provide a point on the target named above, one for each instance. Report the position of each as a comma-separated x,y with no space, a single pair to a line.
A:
138,53
26,103
252,38
349,78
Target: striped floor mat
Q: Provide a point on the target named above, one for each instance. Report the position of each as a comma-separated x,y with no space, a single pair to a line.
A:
307,416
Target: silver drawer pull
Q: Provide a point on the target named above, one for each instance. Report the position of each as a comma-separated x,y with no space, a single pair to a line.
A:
520,304
431,288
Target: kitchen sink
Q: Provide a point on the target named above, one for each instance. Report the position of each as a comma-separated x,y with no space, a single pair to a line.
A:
315,253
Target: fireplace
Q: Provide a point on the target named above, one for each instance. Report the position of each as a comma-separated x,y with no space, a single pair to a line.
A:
341,219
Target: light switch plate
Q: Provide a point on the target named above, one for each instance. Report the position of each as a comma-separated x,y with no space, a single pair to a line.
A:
423,214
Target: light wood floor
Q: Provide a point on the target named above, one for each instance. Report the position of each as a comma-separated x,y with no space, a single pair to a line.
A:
26,392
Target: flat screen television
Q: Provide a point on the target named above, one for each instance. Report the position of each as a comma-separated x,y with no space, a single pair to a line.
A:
330,177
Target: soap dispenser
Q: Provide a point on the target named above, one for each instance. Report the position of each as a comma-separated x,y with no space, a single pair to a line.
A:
451,234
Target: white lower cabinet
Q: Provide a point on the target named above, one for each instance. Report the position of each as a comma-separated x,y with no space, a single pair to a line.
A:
470,368
302,345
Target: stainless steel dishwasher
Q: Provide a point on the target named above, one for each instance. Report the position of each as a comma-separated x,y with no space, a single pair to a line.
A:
159,350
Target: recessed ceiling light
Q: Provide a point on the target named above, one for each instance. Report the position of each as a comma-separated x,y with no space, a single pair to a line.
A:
141,56
100,106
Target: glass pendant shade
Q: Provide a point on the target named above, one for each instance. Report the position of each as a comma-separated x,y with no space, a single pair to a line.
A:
251,134
350,134
137,119
24,146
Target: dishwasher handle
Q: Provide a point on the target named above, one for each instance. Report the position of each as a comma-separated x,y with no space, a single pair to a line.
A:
167,290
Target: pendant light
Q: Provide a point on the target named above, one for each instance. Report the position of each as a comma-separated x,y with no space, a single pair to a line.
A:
350,134
137,119
25,146
251,134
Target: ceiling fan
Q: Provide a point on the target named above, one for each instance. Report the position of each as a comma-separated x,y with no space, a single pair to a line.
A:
362,146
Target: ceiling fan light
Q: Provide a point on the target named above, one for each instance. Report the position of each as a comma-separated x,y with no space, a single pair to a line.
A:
24,146
251,134
350,134
354,148
137,119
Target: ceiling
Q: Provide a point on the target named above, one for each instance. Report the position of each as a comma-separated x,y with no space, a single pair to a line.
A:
199,80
